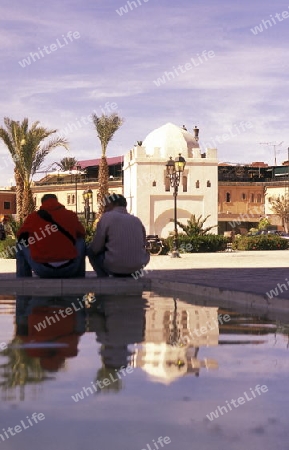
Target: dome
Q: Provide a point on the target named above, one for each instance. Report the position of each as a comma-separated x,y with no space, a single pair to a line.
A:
170,140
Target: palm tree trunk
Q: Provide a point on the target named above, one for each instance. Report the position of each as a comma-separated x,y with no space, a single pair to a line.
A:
28,203
103,175
19,194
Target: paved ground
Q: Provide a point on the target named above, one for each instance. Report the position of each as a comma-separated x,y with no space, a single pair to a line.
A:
244,276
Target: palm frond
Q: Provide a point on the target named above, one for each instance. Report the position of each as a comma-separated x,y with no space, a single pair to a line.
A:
41,153
28,148
106,126
195,226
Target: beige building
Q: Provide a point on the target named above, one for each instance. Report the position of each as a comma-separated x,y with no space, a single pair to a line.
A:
71,196
70,186
274,191
245,193
147,187
240,205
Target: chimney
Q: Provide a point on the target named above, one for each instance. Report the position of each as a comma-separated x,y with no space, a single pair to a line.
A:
196,131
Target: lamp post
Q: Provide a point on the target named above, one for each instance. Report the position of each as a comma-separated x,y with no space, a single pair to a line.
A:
78,168
87,196
174,170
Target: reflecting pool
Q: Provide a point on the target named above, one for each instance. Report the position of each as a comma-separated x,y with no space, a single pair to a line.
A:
140,372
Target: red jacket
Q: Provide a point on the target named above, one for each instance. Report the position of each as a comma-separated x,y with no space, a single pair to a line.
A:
48,244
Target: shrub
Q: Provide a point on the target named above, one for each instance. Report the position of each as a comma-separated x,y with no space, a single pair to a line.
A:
89,229
260,242
201,244
4,248
166,247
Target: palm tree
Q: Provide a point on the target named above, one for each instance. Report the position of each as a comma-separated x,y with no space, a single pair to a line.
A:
195,225
28,154
105,126
66,163
280,207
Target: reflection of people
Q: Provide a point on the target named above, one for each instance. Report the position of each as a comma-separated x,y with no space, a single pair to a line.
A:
51,242
120,324
48,331
119,243
36,350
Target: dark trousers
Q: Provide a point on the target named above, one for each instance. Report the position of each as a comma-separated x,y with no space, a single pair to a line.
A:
25,265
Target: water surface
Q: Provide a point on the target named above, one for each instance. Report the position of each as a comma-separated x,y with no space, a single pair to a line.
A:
140,372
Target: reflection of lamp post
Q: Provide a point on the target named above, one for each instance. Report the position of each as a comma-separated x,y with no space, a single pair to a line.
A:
174,170
78,167
87,196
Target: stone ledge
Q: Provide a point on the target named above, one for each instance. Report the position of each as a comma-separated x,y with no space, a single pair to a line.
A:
127,286
250,300
47,286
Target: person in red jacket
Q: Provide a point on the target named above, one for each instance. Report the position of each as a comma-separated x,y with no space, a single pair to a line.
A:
51,242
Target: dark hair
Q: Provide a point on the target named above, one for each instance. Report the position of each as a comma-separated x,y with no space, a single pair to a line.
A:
116,200
47,197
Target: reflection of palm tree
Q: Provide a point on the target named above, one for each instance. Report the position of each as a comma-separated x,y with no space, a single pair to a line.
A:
19,370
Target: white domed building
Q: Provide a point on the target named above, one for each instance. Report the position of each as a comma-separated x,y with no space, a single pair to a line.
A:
147,187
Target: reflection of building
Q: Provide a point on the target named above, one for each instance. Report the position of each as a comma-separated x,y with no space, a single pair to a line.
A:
174,333
161,336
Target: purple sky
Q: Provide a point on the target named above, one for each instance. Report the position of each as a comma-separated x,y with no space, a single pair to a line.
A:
239,92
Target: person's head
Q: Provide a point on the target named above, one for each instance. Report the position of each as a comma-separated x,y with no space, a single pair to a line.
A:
47,197
113,200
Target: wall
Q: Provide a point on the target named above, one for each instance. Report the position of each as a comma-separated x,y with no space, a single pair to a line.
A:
7,196
145,189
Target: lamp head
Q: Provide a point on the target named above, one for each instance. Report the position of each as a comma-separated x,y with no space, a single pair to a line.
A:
87,194
170,165
179,163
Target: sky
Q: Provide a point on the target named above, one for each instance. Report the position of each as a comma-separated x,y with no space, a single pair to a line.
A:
220,65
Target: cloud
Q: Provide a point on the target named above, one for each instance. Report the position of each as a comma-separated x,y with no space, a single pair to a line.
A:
117,58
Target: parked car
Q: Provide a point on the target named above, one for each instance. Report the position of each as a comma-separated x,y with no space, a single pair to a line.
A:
282,234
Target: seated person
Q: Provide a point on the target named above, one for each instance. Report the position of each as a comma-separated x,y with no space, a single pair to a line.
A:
119,244
51,242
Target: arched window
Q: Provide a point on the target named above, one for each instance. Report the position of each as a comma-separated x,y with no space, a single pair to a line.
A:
244,196
167,184
228,197
68,199
73,199
197,184
185,183
259,198
252,198
208,183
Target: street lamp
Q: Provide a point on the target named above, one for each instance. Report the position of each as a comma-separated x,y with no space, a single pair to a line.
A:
87,196
78,168
174,170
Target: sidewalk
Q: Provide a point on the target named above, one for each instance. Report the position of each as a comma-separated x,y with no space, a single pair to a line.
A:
242,277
